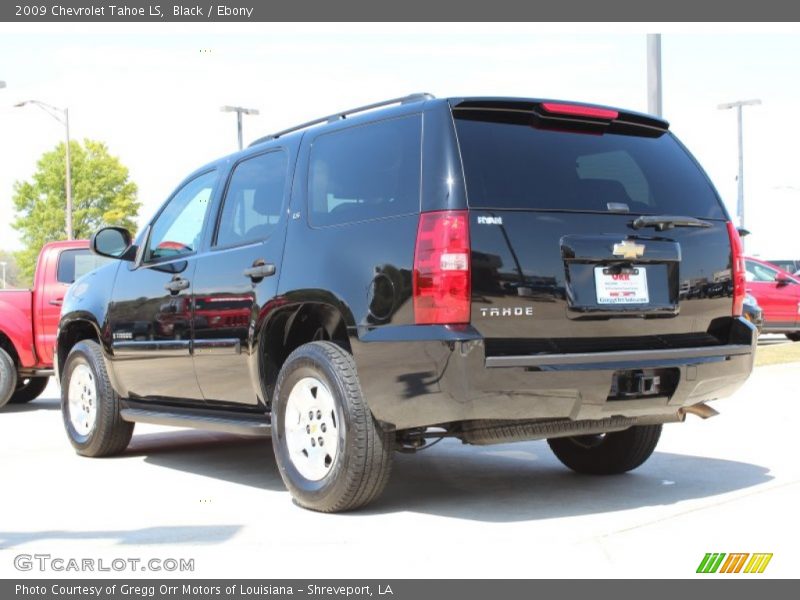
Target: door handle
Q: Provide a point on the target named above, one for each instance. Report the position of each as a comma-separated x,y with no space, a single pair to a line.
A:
56,301
176,285
259,270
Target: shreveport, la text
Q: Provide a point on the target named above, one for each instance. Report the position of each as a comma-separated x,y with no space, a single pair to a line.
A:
47,562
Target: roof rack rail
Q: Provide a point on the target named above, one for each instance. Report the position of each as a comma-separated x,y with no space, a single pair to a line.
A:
344,114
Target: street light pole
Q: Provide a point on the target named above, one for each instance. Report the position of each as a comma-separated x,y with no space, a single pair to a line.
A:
740,179
654,95
239,112
69,178
62,116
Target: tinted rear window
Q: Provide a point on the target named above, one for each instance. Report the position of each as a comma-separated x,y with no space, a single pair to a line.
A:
73,264
254,200
366,172
516,166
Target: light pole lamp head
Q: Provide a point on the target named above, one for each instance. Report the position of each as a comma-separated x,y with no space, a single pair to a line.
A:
729,105
239,109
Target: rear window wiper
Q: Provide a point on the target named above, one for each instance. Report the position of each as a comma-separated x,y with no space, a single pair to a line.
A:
662,222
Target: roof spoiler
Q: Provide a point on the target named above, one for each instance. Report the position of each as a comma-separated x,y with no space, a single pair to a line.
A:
559,111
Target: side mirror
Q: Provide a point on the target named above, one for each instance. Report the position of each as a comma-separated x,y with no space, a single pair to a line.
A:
782,281
113,242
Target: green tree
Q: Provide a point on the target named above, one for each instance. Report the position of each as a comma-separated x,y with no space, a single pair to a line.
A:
102,195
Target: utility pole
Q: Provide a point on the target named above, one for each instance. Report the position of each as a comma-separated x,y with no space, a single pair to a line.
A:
740,179
239,112
3,264
654,94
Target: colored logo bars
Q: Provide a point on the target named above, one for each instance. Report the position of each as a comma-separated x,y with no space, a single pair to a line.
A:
718,563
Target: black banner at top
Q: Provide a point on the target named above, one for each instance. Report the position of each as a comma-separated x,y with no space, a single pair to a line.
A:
389,10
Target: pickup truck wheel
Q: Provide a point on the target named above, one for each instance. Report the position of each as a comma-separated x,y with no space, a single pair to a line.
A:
29,389
8,377
90,406
609,453
332,454
795,337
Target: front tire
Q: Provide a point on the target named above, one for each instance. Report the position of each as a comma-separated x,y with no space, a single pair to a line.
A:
29,389
90,406
332,454
8,377
609,453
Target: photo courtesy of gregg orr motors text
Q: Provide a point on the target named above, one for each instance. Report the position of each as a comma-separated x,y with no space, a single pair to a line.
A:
186,589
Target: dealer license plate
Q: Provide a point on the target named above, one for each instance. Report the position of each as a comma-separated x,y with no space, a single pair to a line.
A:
628,287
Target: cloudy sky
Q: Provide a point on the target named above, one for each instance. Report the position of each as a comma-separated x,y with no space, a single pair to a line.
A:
153,92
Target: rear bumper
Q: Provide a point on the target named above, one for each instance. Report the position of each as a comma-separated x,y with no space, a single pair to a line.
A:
413,377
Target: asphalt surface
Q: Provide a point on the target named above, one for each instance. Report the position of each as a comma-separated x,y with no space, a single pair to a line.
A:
728,484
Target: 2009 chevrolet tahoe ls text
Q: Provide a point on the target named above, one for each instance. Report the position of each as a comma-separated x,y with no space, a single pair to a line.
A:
490,269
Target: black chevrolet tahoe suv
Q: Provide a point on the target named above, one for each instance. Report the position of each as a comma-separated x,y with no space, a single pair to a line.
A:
487,269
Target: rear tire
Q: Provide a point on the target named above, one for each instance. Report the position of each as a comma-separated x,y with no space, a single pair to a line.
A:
607,454
8,377
90,406
29,389
795,337
318,399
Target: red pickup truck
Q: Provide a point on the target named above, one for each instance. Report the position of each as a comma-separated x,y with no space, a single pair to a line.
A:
29,319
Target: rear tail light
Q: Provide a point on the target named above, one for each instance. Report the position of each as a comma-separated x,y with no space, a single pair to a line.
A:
442,268
737,269
577,110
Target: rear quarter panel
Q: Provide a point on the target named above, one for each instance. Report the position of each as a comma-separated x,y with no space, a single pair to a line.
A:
364,269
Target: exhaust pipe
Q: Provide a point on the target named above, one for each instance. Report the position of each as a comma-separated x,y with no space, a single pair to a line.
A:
702,410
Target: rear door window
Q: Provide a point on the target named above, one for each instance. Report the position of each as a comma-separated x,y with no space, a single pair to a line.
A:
509,164
254,200
365,172
73,264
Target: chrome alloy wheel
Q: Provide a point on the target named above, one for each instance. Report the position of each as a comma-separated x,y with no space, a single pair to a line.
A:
82,396
311,426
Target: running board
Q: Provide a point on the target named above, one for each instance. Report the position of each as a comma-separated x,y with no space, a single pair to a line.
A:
252,425
36,372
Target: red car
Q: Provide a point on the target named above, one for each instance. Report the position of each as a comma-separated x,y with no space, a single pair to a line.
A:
778,294
29,319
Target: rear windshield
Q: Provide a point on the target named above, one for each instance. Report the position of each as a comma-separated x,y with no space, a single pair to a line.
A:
511,165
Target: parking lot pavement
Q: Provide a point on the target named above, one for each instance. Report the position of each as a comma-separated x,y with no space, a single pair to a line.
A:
729,484
772,339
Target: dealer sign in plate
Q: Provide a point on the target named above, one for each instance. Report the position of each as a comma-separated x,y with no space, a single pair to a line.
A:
626,287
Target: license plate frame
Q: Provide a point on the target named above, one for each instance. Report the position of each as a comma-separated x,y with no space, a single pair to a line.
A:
615,287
